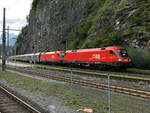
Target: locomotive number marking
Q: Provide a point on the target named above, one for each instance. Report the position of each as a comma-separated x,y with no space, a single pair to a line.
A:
53,56
96,56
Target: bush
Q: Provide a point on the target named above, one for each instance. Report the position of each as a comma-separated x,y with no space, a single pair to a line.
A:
35,3
79,35
141,83
140,57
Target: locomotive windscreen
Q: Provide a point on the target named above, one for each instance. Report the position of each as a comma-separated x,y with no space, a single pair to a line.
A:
122,52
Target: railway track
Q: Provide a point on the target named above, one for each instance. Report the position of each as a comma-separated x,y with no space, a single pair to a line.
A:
103,74
119,89
9,103
126,76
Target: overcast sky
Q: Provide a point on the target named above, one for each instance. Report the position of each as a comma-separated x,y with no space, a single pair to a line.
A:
16,13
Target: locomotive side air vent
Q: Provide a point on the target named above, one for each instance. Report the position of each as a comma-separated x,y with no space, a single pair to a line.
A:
103,48
74,50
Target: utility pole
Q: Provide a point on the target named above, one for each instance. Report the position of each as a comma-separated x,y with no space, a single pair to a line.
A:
109,107
8,41
34,49
3,47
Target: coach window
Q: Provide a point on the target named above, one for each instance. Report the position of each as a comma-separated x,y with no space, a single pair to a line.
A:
111,52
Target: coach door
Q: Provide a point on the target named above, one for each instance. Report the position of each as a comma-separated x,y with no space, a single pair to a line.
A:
62,55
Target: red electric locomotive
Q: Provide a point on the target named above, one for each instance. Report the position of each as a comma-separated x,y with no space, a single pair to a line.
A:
51,56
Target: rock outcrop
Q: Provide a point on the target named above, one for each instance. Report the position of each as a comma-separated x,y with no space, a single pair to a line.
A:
70,24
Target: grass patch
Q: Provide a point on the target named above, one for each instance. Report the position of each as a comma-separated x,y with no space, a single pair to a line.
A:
141,83
139,70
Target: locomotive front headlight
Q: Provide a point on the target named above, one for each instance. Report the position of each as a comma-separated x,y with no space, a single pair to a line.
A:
119,59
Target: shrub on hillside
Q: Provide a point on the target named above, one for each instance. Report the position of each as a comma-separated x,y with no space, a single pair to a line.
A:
140,57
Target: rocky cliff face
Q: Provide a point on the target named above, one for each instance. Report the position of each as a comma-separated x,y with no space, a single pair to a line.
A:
61,24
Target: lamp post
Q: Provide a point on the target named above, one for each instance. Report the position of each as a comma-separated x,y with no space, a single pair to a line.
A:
3,44
109,107
8,42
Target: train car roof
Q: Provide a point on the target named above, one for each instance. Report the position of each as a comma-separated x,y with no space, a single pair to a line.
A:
52,52
96,49
82,50
114,47
26,55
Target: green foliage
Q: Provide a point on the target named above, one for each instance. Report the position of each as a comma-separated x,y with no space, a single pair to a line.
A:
35,3
56,14
101,10
107,36
128,32
113,39
62,7
138,70
141,58
24,30
94,6
80,34
74,44
141,13
147,26
59,11
106,4
16,48
141,28
121,4
141,83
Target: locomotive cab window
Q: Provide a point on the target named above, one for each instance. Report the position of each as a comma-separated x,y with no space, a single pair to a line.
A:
122,52
111,52
63,54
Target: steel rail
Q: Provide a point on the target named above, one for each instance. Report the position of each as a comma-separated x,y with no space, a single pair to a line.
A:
26,105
